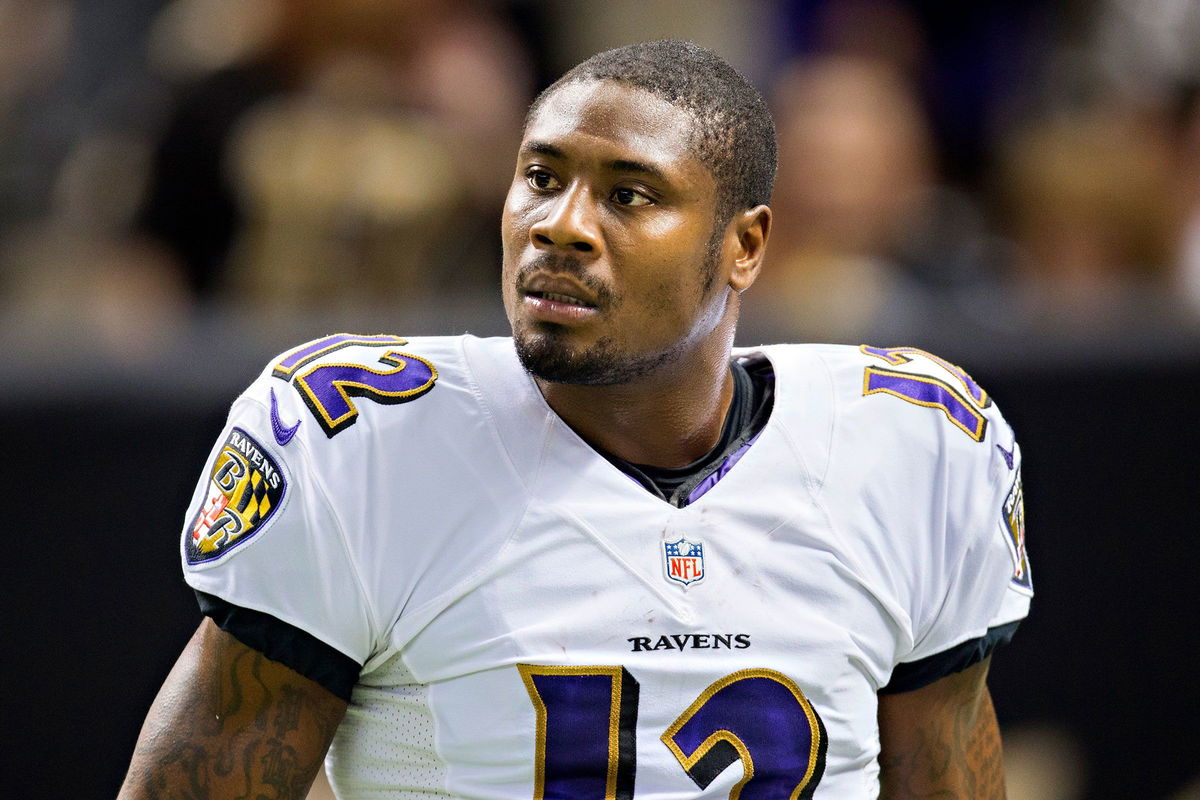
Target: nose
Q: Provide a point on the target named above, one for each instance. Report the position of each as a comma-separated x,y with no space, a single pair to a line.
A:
569,223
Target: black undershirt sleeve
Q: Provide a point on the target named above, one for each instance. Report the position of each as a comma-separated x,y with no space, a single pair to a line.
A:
287,644
916,674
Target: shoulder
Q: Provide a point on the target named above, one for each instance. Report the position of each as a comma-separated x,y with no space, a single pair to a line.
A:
327,373
898,426
900,395
348,407
340,418
921,471
897,392
924,380
343,381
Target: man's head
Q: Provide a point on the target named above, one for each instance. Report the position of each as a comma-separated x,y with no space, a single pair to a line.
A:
733,134
636,213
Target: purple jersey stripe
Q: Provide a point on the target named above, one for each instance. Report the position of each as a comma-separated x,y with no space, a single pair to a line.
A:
721,471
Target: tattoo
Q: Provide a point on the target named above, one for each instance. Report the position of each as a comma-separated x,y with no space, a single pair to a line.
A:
287,716
947,746
187,759
985,755
281,767
231,723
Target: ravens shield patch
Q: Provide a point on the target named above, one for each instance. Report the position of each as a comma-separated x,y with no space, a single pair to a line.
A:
244,489
1013,522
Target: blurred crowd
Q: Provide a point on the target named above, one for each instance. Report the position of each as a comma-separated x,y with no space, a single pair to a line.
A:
970,169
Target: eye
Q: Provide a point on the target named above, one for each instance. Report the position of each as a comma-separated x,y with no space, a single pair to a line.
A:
624,196
541,179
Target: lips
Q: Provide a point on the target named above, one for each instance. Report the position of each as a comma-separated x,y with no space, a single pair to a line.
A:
558,299
558,289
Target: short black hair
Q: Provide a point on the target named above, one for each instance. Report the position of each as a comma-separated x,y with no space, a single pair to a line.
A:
734,134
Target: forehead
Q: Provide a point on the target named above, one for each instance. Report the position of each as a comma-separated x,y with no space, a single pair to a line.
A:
607,119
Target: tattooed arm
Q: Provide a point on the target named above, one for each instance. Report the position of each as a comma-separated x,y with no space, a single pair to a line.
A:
941,741
229,722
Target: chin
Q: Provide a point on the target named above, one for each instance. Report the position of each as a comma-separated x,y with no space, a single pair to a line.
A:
547,357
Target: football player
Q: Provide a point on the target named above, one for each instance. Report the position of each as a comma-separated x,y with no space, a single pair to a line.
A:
611,556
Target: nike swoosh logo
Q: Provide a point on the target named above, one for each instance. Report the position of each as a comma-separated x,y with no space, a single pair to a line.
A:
283,433
1008,454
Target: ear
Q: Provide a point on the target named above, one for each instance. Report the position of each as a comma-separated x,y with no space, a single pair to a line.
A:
751,229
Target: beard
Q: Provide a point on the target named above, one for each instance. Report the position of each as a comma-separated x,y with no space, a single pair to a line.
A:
547,355
545,351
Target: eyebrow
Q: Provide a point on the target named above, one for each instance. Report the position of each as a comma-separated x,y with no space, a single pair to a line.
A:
637,167
543,149
617,165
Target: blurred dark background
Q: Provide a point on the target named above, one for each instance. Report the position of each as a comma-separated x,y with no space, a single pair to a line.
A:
188,187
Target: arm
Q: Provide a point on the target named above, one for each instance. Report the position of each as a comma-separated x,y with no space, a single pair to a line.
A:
229,722
941,741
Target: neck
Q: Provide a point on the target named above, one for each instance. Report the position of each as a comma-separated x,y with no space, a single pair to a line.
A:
669,418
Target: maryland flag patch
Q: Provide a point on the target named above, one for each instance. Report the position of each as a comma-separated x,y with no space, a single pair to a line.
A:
245,488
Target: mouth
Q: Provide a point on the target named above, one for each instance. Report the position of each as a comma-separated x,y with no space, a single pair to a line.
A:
557,300
556,297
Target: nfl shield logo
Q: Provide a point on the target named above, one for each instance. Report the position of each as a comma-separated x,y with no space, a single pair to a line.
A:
683,561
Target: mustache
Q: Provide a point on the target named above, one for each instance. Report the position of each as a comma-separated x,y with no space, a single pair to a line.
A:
570,266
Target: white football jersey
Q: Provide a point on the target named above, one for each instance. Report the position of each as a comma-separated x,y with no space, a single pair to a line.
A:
532,623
